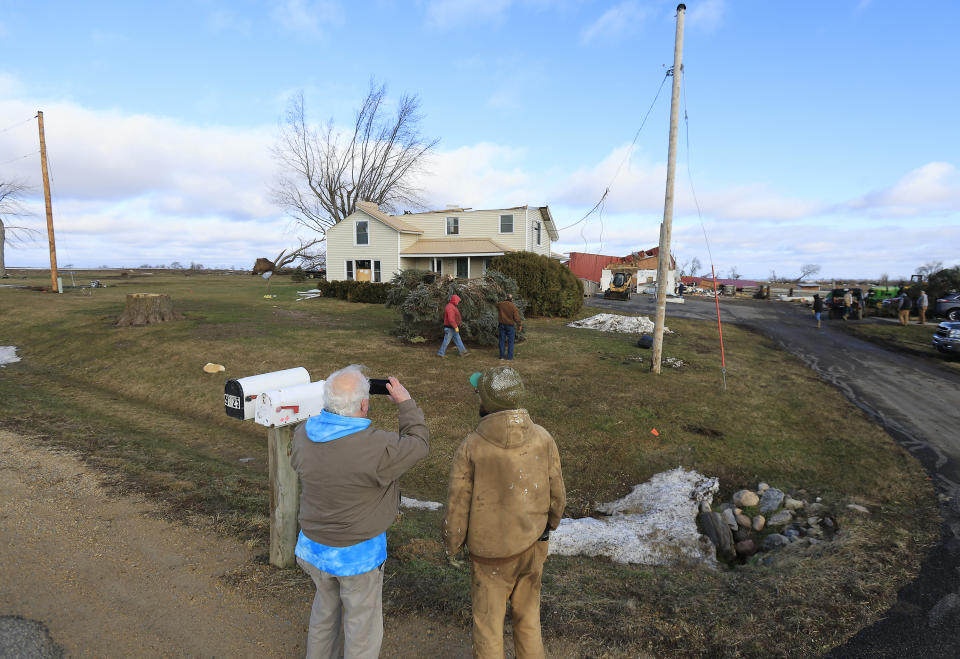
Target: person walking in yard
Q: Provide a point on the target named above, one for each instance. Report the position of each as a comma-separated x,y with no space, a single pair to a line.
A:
904,307
817,307
922,302
349,475
506,495
451,327
510,324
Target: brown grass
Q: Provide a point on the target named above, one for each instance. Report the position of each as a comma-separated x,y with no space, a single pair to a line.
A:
136,403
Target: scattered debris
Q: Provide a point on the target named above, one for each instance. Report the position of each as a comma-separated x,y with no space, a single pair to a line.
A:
673,361
213,368
309,295
245,460
8,355
407,502
608,322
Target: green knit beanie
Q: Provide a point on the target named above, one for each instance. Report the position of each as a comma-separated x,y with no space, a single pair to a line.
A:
500,388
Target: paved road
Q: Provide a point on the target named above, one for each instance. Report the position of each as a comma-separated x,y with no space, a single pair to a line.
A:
918,402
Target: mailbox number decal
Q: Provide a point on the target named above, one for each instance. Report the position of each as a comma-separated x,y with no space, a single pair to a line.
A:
232,401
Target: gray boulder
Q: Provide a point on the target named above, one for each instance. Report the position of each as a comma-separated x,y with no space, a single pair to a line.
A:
775,541
781,518
718,531
771,500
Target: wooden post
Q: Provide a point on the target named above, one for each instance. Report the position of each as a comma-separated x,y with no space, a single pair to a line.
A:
46,198
284,497
663,263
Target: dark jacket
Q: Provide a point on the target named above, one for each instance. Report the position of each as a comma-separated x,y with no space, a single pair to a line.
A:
349,484
509,314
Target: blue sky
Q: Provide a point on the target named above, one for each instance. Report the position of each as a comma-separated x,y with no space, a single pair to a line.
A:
819,132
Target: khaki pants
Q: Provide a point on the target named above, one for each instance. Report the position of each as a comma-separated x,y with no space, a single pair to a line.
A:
904,316
923,315
347,612
516,581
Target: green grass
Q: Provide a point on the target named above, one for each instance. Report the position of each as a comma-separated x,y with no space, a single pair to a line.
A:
136,404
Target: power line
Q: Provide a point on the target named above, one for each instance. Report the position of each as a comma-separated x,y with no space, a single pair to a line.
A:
32,153
606,191
19,123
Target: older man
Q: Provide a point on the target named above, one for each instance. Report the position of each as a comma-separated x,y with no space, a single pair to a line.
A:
506,494
350,495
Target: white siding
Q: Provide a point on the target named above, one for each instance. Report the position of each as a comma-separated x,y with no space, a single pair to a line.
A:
382,247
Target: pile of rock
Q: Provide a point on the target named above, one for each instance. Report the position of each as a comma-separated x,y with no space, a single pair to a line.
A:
764,520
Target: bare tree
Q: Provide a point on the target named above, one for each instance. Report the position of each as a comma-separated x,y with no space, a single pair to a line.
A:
285,258
326,172
11,206
807,270
733,273
929,268
690,267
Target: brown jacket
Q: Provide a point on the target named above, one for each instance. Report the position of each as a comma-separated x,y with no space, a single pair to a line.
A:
350,490
509,314
506,487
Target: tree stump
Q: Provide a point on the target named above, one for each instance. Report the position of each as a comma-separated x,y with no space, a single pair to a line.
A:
147,309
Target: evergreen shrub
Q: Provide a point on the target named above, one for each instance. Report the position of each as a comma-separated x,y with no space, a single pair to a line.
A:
355,291
549,287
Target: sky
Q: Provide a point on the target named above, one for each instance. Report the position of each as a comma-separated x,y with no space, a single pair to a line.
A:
820,132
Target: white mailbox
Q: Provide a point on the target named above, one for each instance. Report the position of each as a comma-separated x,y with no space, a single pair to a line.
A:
284,407
240,395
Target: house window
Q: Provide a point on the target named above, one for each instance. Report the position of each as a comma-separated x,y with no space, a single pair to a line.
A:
453,226
506,224
376,271
462,271
350,270
362,232
362,270
486,264
436,265
538,233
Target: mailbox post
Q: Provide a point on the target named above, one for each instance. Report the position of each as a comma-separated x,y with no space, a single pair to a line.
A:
278,400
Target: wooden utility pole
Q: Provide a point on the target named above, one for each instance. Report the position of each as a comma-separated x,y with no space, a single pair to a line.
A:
663,262
284,497
46,198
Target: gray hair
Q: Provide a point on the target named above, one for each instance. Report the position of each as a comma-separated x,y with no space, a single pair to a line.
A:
346,389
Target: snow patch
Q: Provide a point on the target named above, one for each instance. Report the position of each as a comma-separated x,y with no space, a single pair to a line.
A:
407,502
8,355
608,322
653,525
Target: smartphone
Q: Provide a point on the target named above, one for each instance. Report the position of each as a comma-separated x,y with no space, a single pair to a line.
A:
378,387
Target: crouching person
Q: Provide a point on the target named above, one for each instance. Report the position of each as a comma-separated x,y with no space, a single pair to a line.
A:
349,497
506,495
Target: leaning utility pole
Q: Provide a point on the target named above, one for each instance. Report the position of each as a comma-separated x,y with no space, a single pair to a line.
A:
663,260
46,198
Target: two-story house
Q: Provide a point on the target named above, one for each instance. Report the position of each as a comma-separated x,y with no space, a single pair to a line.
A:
370,245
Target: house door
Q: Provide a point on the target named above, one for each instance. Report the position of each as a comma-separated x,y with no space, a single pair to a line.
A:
364,272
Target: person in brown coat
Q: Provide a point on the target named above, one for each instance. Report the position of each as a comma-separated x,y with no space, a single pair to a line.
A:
506,495
510,323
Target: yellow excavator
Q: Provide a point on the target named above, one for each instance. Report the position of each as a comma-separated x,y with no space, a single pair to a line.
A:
620,287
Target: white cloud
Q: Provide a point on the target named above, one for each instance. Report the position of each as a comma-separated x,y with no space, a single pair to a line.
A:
479,176
932,188
706,15
615,23
444,14
309,18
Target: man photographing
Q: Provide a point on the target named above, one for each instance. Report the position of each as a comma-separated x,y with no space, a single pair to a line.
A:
349,496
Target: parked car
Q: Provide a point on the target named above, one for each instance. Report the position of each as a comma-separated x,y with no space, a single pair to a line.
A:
949,306
947,337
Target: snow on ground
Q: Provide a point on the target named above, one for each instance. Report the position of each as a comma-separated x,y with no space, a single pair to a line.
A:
407,502
8,355
608,322
653,525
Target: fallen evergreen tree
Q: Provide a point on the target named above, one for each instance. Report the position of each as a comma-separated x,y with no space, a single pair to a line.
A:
421,296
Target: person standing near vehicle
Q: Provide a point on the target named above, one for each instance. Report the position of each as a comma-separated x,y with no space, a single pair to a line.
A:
451,327
506,495
817,307
510,324
904,308
847,303
922,303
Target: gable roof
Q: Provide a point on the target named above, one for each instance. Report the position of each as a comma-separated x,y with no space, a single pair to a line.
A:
455,246
392,221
